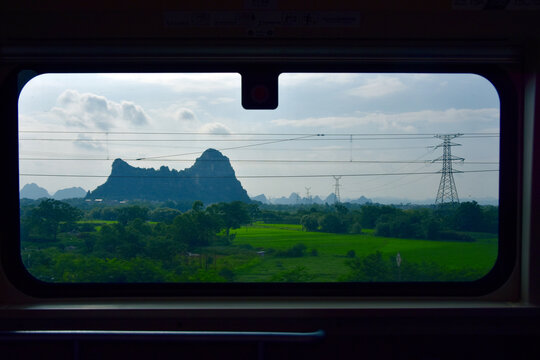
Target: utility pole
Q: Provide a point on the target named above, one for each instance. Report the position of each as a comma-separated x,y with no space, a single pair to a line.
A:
350,146
447,192
336,188
107,143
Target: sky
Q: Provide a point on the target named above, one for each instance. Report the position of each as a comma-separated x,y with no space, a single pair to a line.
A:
376,131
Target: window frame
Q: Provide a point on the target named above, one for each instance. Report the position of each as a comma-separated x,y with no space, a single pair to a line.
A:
509,185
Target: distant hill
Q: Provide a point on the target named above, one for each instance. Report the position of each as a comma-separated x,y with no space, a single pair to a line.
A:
361,200
211,179
261,198
330,199
69,193
295,199
33,191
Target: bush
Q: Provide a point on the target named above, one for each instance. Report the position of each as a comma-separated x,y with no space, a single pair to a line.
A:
126,214
297,250
86,227
298,274
309,222
454,236
164,214
383,229
410,224
370,268
370,214
377,268
227,274
351,254
332,223
356,228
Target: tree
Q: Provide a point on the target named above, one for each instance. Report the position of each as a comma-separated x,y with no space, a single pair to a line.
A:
355,228
48,215
195,227
332,223
468,217
341,209
310,222
297,250
408,224
370,214
253,211
491,219
297,274
370,268
233,214
164,214
129,213
197,206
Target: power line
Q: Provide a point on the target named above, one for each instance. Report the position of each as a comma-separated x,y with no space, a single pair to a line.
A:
231,148
325,138
269,161
298,149
234,134
250,176
401,168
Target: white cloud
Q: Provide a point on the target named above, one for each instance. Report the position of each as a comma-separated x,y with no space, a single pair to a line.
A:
405,122
215,128
68,97
96,104
183,82
222,100
88,143
89,110
312,79
134,113
456,115
378,87
329,121
184,114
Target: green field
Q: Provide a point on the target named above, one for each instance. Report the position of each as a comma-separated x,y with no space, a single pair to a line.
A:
331,251
262,253
62,243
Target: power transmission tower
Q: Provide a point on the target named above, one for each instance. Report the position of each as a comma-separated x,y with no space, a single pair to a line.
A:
447,192
336,188
308,195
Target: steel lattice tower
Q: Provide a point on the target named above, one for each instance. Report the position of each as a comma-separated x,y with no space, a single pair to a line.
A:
336,188
447,192
308,195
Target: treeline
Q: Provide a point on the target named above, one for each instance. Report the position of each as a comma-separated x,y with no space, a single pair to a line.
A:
422,222
138,243
57,246
435,223
198,226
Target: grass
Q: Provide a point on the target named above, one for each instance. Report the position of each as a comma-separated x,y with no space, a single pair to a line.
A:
330,263
97,222
326,254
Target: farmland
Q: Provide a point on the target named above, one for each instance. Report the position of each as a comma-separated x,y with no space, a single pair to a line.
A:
236,242
329,264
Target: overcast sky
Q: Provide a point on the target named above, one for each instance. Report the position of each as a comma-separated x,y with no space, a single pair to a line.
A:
77,124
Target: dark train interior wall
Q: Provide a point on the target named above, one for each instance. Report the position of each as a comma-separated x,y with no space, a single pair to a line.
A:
262,35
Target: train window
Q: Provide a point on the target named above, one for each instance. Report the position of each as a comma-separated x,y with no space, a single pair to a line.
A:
355,180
